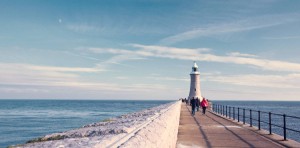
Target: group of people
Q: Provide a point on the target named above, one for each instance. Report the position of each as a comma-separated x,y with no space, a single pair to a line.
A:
195,103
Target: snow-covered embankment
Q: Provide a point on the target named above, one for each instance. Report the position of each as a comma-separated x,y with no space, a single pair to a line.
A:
161,132
154,127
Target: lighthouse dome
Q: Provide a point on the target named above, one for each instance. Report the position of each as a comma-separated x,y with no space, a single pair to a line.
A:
195,65
195,69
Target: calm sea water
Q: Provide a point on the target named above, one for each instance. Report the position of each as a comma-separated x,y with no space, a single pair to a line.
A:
22,120
291,108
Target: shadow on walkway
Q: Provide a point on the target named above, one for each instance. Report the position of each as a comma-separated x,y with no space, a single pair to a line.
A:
212,131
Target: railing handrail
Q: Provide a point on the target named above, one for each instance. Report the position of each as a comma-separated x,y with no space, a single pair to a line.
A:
225,110
248,109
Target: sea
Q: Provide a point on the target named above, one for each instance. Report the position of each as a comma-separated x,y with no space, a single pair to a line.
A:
22,120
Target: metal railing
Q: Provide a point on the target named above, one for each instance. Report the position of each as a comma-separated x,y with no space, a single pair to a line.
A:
256,116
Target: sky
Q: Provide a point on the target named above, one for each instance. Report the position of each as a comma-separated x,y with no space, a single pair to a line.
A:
144,49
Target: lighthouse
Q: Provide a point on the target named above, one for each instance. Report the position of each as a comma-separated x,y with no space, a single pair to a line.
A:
195,83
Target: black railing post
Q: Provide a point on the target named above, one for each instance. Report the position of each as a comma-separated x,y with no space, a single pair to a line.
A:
229,112
238,114
284,126
258,120
233,113
215,108
226,110
244,116
270,123
221,107
250,118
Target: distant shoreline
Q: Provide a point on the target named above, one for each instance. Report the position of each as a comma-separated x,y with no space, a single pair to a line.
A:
147,100
89,100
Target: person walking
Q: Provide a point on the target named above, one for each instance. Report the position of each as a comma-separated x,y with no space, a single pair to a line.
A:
193,104
197,103
204,105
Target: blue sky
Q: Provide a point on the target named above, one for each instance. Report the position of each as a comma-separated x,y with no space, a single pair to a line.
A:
144,49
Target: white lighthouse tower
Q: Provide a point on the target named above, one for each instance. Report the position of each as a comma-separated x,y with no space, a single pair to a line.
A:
195,83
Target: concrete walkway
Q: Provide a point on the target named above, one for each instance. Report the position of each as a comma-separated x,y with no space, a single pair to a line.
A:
212,131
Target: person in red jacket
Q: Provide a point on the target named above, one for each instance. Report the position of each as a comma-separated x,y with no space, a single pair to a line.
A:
204,105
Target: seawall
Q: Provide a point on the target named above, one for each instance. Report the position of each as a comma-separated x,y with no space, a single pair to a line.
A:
153,127
161,132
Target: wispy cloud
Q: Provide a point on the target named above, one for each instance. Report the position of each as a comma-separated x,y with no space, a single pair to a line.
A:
21,78
59,69
232,27
27,74
17,90
168,78
281,38
122,78
203,54
149,51
238,54
120,56
82,56
195,54
271,81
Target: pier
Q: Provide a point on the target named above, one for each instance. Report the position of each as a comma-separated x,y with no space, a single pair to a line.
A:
211,130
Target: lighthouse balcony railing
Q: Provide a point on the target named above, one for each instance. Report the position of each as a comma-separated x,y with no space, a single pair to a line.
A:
261,119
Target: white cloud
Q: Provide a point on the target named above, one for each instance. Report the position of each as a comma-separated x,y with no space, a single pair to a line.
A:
22,90
271,81
202,55
34,75
60,69
287,82
122,78
233,27
252,87
168,78
27,78
109,50
120,56
238,54
281,38
198,54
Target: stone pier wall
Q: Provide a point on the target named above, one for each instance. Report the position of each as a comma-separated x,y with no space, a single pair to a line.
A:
161,132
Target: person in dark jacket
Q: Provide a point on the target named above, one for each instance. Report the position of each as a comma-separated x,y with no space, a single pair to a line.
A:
193,104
